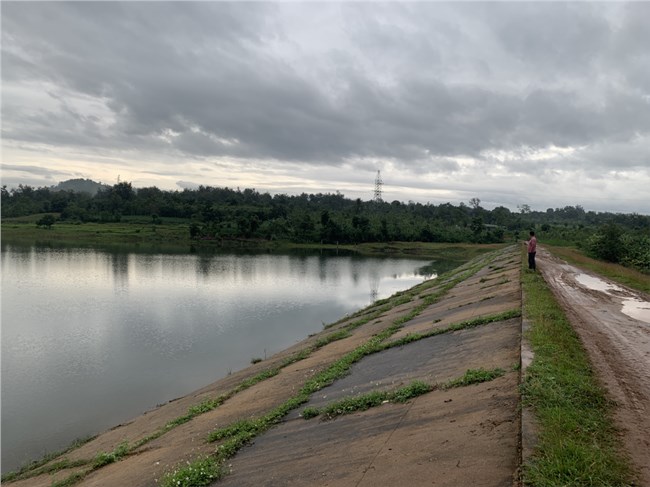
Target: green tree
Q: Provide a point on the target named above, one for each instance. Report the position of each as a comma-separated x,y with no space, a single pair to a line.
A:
607,243
195,230
46,221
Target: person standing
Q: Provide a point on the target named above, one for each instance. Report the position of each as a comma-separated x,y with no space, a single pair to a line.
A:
532,250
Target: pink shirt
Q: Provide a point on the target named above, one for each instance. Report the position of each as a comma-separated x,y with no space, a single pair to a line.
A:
532,245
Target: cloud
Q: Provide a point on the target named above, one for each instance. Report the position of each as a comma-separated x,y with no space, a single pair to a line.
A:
187,185
33,170
480,91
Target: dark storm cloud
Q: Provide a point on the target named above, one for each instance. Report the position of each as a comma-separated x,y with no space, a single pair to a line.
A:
416,84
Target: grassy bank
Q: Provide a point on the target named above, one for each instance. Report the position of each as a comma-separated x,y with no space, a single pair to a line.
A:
624,275
578,444
172,235
135,232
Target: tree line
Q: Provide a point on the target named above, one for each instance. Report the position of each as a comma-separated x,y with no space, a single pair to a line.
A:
225,213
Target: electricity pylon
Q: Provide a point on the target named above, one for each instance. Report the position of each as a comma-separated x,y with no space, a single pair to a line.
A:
378,184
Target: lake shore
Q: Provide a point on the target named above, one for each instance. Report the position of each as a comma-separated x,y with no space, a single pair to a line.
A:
154,444
174,238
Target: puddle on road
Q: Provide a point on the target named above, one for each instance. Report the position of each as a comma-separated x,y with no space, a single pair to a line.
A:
637,309
596,284
633,307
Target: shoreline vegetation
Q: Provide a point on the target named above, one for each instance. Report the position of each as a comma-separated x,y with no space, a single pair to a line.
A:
235,218
174,237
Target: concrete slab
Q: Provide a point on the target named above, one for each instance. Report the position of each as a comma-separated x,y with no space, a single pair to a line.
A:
466,436
435,359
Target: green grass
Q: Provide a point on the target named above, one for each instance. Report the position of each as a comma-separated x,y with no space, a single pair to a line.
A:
70,480
474,376
578,444
200,472
416,388
39,467
372,399
173,233
105,458
463,325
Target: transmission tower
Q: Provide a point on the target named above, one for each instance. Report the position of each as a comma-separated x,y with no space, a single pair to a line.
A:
378,184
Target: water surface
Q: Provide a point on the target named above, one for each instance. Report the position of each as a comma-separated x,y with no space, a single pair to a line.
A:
92,338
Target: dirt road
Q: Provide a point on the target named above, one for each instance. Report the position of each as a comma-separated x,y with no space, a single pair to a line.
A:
613,323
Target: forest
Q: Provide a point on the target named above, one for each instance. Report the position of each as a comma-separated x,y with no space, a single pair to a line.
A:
224,213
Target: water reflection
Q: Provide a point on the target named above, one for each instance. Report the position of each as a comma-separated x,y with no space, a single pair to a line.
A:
93,338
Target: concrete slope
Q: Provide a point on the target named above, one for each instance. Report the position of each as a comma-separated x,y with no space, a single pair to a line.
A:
458,436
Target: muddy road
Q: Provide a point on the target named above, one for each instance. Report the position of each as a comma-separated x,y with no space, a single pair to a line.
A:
613,323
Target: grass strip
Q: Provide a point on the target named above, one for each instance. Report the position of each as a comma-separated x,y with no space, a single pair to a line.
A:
474,376
201,472
366,401
39,467
62,464
105,458
71,480
416,388
578,444
463,325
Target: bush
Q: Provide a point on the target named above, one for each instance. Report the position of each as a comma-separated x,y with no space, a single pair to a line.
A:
46,221
607,243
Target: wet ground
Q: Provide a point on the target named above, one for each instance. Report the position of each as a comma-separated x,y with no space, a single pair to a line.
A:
613,323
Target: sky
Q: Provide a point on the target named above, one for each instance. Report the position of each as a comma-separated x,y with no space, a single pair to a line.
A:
545,104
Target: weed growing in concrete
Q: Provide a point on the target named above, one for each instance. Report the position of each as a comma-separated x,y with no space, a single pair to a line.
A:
339,335
485,320
353,404
310,412
105,458
474,376
414,389
70,480
200,472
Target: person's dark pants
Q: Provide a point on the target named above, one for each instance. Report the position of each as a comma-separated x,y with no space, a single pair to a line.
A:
531,260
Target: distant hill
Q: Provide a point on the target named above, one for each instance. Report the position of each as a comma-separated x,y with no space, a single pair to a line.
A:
80,186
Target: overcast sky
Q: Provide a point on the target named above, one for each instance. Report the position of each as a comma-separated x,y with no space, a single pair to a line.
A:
544,104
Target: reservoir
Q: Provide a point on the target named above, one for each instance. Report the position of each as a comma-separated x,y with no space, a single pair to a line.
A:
92,338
